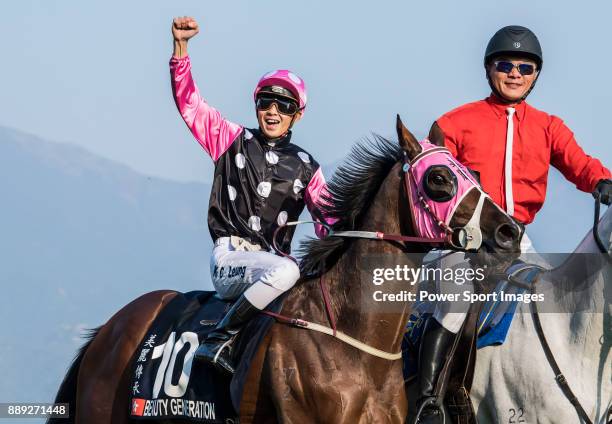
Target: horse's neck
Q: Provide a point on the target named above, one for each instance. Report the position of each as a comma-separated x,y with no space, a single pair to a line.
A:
380,324
574,292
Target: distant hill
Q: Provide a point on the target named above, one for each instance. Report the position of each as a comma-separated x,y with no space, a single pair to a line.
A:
80,237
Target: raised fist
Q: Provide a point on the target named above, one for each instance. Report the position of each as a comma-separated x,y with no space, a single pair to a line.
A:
184,28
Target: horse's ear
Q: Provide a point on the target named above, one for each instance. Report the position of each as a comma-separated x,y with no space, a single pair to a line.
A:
436,135
407,141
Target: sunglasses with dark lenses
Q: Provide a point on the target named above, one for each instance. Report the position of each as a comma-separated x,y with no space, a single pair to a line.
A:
507,67
284,106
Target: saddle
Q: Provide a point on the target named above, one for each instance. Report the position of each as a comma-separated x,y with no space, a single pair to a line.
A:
167,384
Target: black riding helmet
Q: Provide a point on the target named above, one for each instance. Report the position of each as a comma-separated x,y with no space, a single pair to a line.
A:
513,40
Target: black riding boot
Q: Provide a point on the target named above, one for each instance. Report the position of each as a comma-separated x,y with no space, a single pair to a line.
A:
216,348
435,348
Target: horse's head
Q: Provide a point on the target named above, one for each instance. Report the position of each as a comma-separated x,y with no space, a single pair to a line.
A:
446,201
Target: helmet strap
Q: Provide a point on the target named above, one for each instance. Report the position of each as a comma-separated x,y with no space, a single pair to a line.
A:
532,85
291,123
292,120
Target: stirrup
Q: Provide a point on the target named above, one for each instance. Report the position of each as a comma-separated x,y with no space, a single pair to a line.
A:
430,402
221,363
223,346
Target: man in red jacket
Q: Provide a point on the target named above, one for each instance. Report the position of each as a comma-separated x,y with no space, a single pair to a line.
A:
511,145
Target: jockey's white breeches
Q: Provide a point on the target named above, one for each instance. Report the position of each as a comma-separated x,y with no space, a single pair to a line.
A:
262,276
451,315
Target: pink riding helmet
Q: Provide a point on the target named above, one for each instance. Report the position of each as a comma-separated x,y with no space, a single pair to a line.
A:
285,79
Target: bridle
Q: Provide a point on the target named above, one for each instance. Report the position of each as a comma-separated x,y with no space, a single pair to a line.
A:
435,230
428,225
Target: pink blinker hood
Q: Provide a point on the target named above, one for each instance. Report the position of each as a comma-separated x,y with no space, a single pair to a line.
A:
426,222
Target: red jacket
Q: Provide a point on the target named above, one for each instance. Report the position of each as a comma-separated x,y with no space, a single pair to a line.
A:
476,135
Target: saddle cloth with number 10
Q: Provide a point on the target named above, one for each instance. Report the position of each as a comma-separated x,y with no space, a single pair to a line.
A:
167,384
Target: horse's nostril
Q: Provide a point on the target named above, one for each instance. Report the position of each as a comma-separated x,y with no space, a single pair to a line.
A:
506,235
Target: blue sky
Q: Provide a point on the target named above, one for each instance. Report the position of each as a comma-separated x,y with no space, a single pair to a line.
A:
95,73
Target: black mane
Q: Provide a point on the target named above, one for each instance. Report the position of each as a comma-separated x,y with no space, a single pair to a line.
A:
351,191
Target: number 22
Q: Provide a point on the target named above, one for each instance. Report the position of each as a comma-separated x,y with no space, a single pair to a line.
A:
513,411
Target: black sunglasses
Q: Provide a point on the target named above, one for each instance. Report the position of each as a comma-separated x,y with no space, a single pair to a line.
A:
284,106
507,67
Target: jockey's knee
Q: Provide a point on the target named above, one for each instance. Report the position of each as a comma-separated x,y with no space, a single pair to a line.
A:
273,283
452,321
285,275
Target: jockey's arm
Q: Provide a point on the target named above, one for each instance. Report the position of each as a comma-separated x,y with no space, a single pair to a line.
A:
180,49
316,192
183,29
214,133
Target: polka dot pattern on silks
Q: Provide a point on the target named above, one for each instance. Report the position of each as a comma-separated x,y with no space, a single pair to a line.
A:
304,156
272,158
264,188
240,161
297,186
282,218
231,191
255,223
257,188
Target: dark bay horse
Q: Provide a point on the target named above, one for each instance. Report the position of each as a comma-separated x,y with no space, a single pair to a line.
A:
301,376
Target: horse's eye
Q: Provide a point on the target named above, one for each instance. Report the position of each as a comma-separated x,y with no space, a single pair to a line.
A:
440,183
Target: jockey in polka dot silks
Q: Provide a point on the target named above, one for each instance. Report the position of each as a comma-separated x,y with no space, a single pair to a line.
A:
261,181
